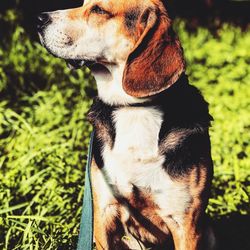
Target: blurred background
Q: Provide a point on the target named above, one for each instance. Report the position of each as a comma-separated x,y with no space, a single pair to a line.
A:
44,134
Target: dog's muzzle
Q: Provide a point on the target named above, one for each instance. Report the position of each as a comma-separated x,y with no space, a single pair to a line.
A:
43,20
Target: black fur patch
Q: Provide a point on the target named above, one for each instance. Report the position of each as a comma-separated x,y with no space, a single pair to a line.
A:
131,18
186,113
190,151
100,116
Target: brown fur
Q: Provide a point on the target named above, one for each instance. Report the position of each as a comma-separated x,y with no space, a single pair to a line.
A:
158,52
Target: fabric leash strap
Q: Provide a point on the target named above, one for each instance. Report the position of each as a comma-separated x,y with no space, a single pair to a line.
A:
85,240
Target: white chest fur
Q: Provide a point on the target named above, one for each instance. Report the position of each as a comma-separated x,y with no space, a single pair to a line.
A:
135,150
137,131
135,159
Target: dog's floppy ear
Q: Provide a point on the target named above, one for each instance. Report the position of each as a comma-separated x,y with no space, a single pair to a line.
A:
156,61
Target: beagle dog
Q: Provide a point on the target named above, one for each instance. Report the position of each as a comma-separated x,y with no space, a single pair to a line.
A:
152,169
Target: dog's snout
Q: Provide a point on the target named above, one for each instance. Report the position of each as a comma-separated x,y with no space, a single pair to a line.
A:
43,20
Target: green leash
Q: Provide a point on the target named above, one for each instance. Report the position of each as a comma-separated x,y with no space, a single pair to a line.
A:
85,240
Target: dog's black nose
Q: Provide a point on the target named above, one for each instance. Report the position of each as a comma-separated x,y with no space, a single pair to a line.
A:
42,20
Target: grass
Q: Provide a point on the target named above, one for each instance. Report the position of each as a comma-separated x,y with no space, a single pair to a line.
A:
44,137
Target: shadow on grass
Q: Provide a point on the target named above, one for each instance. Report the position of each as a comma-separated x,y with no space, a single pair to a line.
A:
233,232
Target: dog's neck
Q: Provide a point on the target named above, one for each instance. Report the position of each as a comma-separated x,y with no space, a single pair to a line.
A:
182,105
109,79
110,91
109,84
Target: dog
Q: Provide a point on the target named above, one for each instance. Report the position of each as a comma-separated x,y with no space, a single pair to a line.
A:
151,170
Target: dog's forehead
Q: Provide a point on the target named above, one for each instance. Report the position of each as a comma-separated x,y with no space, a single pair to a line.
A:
121,5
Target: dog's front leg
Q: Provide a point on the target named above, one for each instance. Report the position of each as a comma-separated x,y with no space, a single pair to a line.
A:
108,228
193,234
190,231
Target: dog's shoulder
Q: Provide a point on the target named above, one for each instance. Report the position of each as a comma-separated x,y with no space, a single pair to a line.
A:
184,136
184,105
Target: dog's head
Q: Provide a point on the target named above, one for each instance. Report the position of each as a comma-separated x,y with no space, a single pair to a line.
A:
129,45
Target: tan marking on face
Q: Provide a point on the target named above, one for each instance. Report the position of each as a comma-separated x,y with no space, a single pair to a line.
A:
76,14
117,11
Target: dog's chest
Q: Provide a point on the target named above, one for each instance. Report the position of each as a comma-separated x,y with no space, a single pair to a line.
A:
135,161
135,149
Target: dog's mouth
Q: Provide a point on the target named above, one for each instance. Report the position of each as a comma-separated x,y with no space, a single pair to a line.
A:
78,63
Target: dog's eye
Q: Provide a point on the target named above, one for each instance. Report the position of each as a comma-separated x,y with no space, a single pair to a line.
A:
98,10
